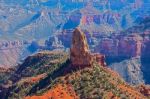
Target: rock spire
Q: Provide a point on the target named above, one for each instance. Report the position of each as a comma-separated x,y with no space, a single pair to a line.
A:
79,52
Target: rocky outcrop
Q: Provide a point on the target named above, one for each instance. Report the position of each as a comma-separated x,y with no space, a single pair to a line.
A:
99,58
130,70
79,52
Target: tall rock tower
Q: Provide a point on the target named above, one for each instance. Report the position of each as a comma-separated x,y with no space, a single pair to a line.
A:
79,52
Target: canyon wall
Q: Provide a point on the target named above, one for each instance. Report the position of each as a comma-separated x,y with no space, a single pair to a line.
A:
11,52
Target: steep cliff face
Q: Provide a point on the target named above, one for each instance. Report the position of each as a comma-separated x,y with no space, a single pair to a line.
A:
11,52
130,70
128,55
79,52
121,46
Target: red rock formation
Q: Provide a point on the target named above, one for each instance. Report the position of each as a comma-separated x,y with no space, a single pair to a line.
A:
80,54
128,46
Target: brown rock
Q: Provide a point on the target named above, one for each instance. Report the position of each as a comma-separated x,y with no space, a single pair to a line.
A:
79,52
99,58
144,89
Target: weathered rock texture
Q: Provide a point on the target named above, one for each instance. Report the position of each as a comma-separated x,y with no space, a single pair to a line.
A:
130,70
79,52
121,46
11,52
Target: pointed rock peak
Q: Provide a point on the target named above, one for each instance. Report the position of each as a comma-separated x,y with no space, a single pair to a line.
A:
79,41
80,55
79,52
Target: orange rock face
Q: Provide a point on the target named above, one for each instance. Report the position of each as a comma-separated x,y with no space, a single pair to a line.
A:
79,52
59,92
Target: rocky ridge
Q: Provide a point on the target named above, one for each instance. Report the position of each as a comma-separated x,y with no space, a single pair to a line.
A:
47,77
